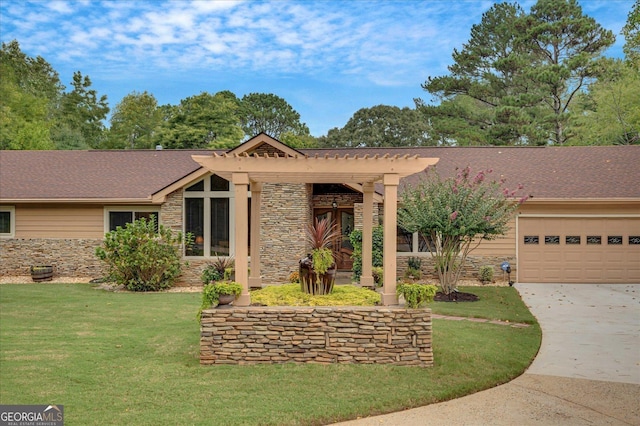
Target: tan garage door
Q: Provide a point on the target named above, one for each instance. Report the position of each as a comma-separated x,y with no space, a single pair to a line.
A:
578,250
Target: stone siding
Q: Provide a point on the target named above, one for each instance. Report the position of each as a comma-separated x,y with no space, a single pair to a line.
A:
471,268
285,212
69,257
326,335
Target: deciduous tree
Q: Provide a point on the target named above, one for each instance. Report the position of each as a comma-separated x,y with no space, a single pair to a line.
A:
271,114
455,214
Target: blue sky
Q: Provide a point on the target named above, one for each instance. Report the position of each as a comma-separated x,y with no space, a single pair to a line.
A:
326,58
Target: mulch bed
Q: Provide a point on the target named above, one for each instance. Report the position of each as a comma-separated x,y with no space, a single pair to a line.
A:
456,296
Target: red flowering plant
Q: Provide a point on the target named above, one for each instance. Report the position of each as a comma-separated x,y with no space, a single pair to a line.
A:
454,215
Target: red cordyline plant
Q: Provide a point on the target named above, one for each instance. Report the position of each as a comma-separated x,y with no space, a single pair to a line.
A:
314,276
454,215
321,233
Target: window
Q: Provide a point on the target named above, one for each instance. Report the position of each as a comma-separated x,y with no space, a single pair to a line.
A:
531,239
119,216
634,239
594,239
552,239
614,240
7,222
572,239
208,216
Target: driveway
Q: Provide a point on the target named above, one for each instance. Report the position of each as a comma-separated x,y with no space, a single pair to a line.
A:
586,373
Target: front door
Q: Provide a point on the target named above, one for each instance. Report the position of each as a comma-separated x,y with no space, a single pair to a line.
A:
341,246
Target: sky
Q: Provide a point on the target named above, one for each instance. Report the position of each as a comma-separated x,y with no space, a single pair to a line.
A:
326,58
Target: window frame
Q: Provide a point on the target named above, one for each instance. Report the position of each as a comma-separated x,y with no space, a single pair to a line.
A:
133,210
12,221
207,194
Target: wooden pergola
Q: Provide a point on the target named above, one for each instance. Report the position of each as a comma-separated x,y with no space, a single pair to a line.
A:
249,172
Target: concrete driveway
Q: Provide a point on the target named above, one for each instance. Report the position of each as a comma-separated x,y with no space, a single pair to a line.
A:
586,373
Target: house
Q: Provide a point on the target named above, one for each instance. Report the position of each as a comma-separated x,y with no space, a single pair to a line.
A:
582,224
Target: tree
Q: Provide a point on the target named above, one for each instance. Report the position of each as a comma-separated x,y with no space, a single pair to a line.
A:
201,121
486,98
567,45
135,121
609,113
380,126
83,111
30,91
268,113
523,71
631,32
455,215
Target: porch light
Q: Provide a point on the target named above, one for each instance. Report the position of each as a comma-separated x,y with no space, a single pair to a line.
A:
334,204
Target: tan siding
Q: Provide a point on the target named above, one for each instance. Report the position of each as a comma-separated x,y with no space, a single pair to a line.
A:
503,246
59,221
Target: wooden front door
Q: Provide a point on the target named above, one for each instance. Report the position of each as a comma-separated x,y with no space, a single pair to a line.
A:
342,248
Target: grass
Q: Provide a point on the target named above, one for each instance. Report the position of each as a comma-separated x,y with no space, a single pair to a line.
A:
499,303
124,358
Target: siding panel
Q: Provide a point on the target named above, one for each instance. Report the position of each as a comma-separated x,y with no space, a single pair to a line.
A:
59,221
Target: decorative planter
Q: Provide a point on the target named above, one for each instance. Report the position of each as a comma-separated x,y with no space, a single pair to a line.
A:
226,299
41,273
313,283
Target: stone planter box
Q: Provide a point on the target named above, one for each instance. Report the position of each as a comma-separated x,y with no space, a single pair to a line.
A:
363,335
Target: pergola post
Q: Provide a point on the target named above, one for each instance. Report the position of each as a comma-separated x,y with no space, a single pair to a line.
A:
255,280
390,182
366,279
241,187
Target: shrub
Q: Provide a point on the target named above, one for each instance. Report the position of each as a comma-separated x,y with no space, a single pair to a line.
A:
219,269
486,273
378,275
142,258
294,277
292,295
416,295
356,240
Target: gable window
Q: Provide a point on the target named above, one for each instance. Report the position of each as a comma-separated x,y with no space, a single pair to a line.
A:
119,216
7,222
208,216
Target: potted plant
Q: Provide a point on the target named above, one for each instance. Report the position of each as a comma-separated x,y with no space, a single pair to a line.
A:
318,270
219,269
219,293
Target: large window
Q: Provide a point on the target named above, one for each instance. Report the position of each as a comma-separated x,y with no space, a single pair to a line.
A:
119,216
208,216
7,222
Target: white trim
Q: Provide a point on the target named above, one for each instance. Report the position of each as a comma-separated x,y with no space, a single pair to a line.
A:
12,221
133,209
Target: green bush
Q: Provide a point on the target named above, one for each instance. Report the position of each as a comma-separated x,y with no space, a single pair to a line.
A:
378,275
416,295
142,258
356,240
486,273
291,295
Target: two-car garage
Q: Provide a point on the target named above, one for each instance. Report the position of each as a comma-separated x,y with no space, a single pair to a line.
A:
578,249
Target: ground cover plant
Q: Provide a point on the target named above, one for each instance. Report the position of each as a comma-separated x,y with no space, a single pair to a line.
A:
292,295
132,358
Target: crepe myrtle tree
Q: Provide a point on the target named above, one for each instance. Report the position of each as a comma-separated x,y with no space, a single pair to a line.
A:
455,214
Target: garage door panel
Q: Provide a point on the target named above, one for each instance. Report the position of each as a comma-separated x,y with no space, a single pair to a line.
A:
602,250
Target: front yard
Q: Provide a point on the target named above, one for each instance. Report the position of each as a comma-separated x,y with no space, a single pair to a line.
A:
132,358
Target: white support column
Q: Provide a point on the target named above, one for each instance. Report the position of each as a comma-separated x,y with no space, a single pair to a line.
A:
366,279
241,255
255,280
390,182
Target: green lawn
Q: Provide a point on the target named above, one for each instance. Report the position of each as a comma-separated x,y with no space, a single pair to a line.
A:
124,358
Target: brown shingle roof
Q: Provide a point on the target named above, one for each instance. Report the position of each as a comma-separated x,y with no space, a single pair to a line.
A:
607,172
114,174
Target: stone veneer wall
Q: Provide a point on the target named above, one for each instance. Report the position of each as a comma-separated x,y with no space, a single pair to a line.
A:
326,335
471,267
69,257
285,212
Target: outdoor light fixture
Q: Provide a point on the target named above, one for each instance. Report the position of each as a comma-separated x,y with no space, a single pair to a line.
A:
334,204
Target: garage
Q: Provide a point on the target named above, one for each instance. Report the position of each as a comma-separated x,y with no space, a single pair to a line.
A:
578,249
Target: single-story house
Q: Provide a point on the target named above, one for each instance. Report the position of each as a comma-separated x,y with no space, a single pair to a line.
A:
582,224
